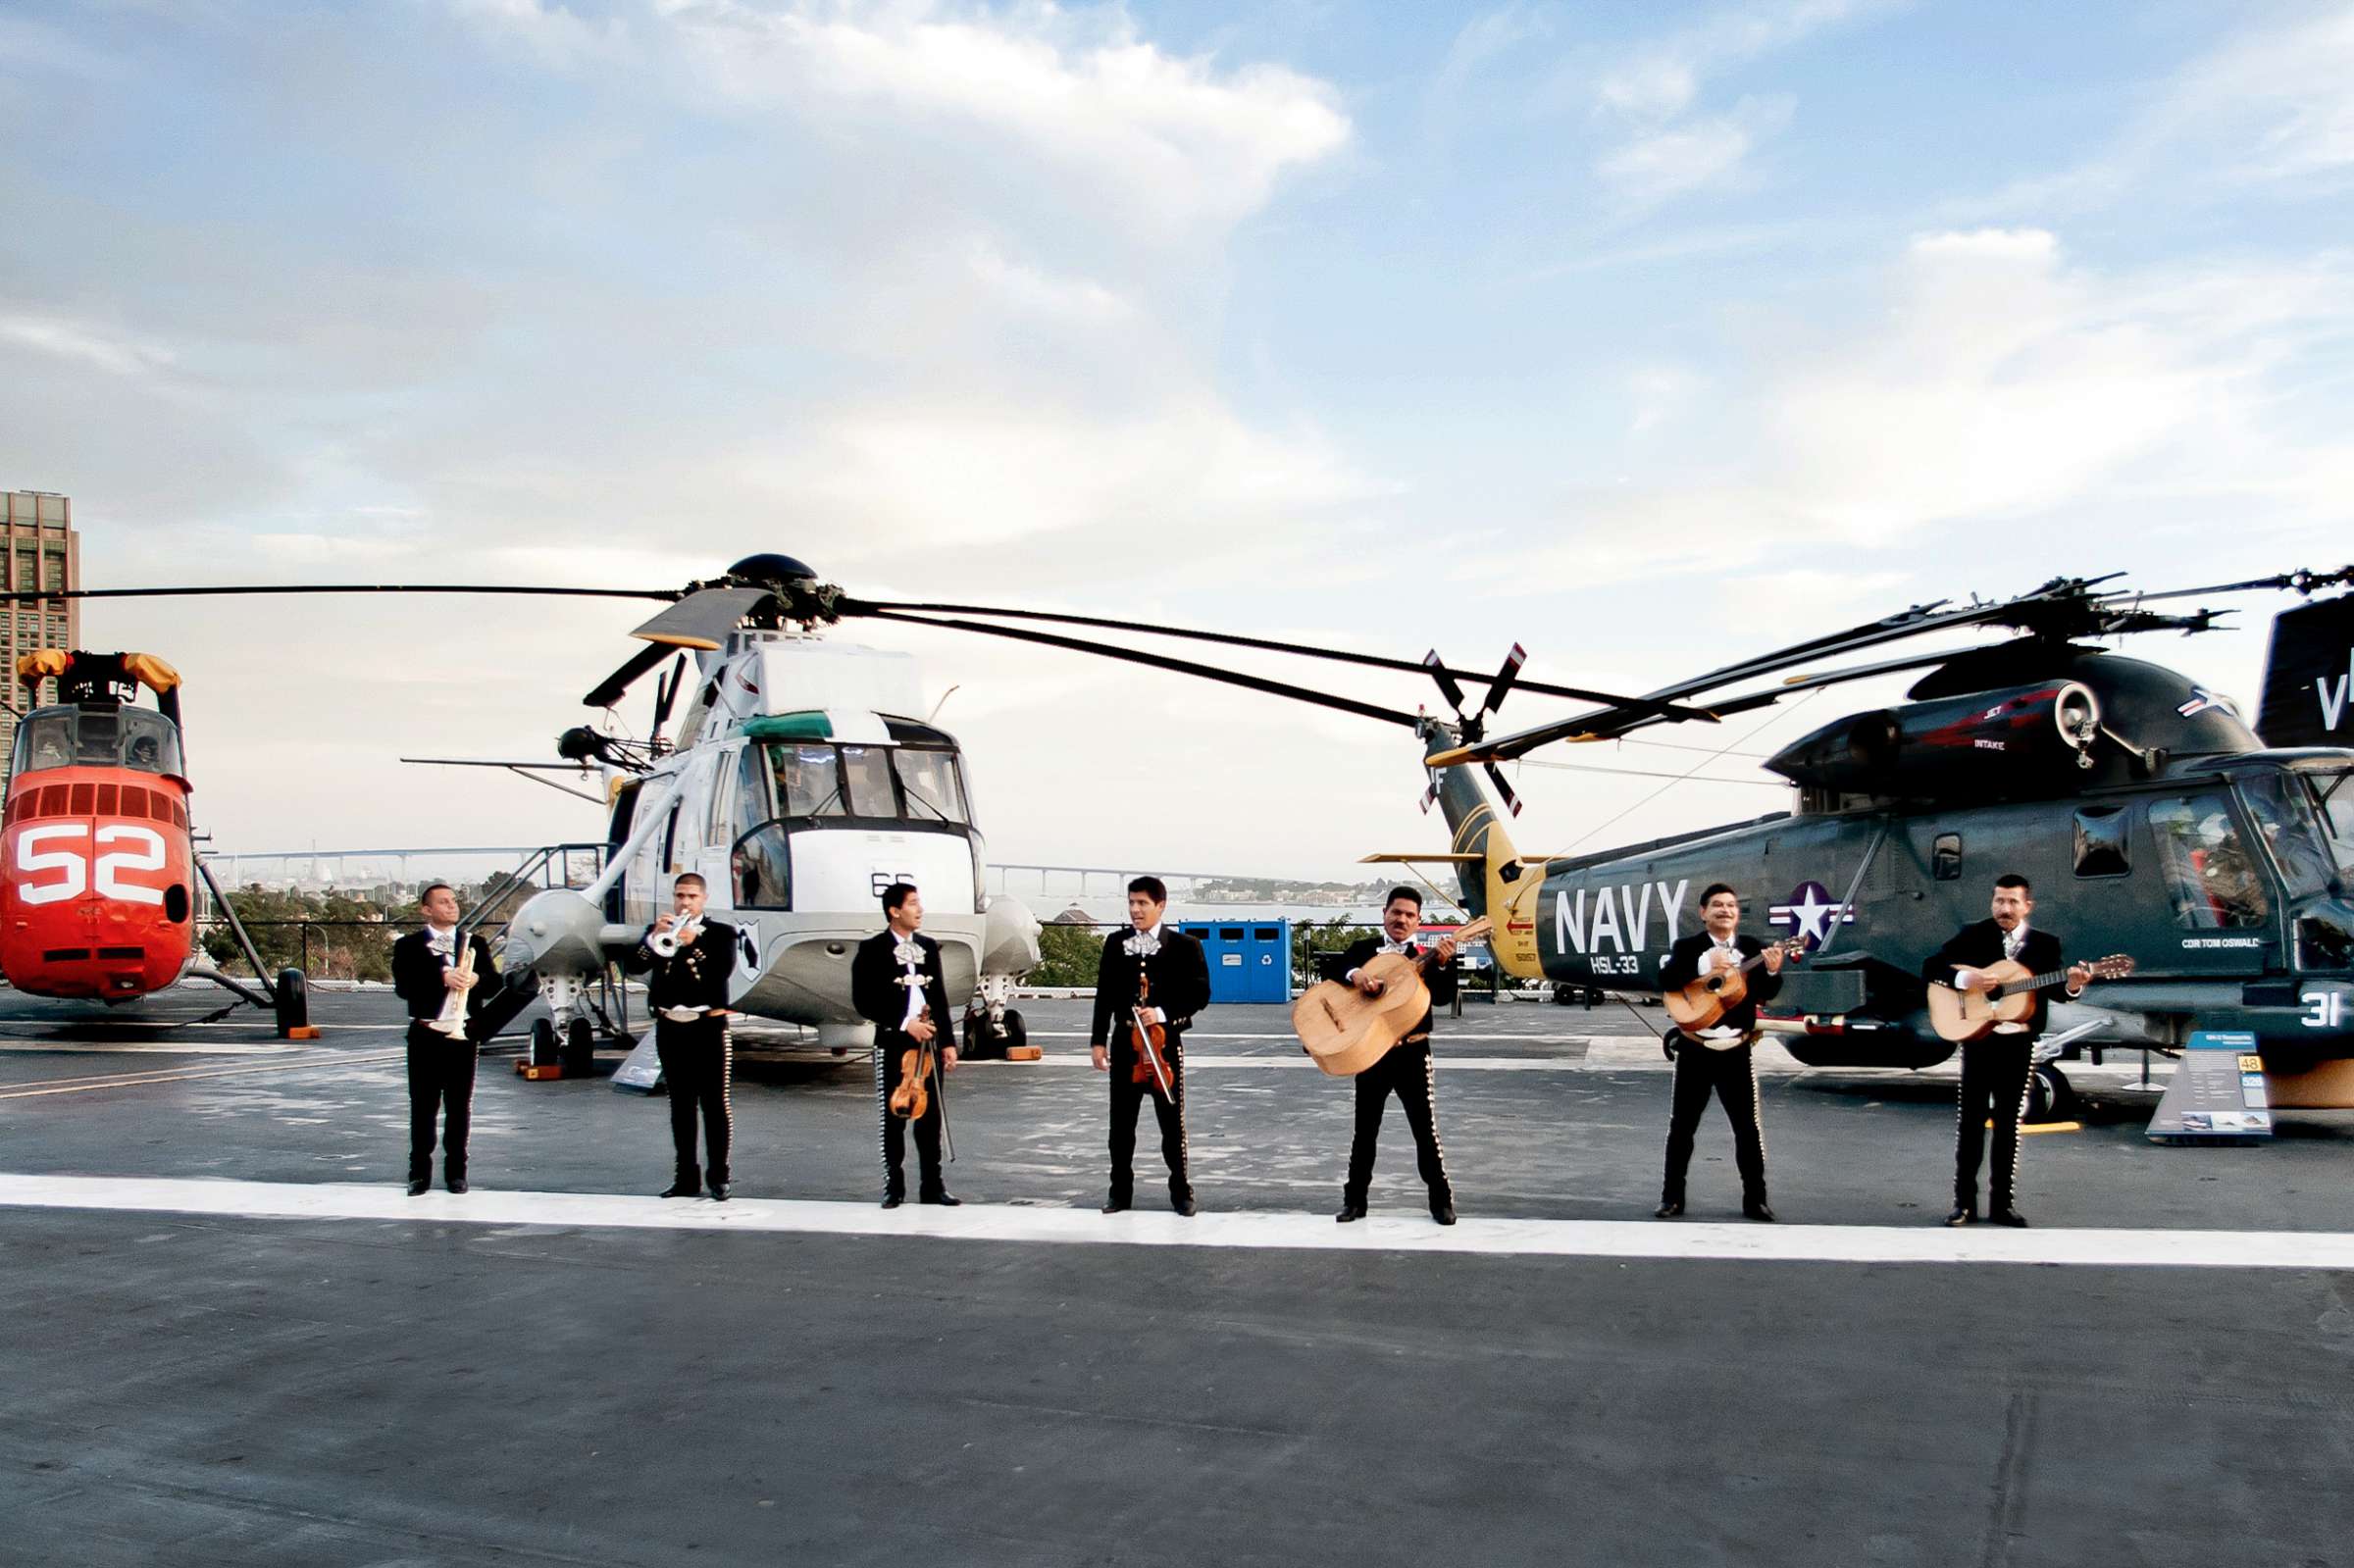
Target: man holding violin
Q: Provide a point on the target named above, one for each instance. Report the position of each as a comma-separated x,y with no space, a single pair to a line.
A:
691,959
1716,1059
1152,980
897,984
1406,1070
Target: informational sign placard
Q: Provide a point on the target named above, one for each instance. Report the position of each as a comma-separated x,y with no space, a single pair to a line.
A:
642,1072
2217,1092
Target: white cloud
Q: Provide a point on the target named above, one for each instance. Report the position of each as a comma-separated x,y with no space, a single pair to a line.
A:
86,344
1690,154
1178,142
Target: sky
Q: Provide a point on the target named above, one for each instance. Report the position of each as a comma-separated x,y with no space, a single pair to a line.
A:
1646,336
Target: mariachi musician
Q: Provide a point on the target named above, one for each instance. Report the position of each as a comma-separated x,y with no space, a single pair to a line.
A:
690,958
443,993
1406,1069
1150,975
897,984
1718,1060
1995,1068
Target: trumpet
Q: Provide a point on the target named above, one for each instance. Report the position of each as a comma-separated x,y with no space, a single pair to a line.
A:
452,1019
666,943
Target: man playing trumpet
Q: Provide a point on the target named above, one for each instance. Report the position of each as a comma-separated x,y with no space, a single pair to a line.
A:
691,959
439,975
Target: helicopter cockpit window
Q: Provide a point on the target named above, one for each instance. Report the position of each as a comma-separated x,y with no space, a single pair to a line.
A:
2214,882
929,780
45,741
762,868
866,780
2335,792
122,737
2284,816
2101,841
808,781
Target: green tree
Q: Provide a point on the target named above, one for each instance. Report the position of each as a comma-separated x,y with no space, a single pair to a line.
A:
1067,955
1308,938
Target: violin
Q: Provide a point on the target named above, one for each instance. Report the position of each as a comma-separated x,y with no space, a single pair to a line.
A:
1151,1044
913,1096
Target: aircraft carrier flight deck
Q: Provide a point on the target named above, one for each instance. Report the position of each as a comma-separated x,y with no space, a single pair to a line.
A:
234,1340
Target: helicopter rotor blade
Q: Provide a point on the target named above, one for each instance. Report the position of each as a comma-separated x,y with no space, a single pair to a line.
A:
612,690
1505,678
1371,661
1446,681
703,619
1156,661
248,589
1503,788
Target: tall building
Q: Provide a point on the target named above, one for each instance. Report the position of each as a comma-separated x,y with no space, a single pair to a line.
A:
41,551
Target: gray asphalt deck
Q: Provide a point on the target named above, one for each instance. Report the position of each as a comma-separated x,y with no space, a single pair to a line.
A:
205,1389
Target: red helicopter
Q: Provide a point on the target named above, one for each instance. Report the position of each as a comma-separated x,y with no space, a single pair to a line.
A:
98,873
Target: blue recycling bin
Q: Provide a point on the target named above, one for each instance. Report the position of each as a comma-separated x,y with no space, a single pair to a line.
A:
1249,960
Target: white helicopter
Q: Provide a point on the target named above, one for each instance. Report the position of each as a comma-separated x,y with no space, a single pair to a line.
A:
800,790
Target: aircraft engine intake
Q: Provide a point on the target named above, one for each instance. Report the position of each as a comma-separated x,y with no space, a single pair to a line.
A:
2019,740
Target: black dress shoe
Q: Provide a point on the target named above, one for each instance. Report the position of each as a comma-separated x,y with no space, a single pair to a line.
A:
2011,1217
943,1197
891,1200
1118,1205
1962,1214
1671,1209
719,1192
418,1187
457,1184
1443,1212
684,1189
1349,1212
1758,1212
1183,1206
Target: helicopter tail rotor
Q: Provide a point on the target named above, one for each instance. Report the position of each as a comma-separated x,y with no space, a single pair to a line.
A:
1469,727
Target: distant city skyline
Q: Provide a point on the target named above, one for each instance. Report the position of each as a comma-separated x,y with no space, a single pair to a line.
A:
1644,336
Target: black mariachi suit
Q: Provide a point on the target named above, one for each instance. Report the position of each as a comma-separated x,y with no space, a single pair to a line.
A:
1731,1074
440,1069
1179,981
879,990
1994,1069
697,1055
1406,1071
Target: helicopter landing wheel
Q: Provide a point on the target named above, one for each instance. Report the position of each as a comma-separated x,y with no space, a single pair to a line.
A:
579,1049
981,1038
292,996
2050,1097
543,1051
1013,1032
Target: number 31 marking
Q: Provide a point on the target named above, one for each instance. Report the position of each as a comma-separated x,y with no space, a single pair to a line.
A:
2324,1009
75,865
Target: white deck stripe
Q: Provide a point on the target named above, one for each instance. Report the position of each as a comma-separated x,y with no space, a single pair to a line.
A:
985,1222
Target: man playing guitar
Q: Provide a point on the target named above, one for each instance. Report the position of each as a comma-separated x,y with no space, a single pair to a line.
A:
1716,1059
1995,1068
1406,1070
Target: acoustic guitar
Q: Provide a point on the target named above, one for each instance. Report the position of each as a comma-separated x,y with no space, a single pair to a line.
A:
1966,1015
1717,993
1345,1031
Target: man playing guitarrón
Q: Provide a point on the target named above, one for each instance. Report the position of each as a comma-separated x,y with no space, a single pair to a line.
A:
896,984
1167,966
1716,1059
1406,1070
1995,1068
691,959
